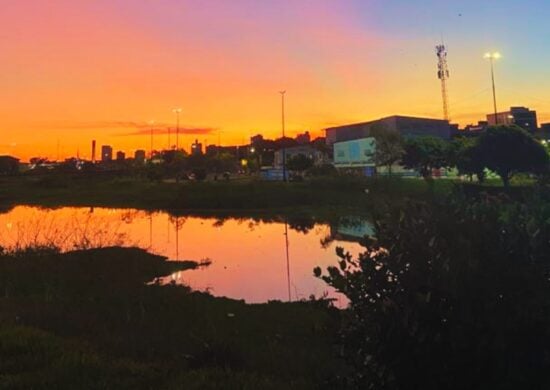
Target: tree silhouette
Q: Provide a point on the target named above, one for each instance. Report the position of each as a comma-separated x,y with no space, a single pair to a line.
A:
508,150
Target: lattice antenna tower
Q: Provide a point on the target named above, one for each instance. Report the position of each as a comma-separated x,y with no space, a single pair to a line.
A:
443,75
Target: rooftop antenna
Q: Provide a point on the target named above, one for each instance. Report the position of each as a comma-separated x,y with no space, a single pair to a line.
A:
443,75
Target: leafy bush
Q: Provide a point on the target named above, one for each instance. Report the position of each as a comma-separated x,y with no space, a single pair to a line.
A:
450,296
322,170
199,174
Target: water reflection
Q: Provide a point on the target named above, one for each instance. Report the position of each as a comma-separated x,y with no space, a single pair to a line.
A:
248,258
287,261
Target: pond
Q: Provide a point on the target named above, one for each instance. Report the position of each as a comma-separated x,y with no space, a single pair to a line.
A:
249,259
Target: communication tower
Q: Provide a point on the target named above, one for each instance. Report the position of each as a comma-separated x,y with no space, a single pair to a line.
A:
443,75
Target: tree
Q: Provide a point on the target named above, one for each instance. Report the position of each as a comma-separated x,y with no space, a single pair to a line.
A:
9,165
299,163
464,154
388,147
449,296
507,150
424,154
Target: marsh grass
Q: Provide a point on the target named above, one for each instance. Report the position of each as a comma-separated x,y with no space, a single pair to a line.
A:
87,319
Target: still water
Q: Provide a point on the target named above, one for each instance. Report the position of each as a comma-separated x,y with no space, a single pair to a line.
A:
251,260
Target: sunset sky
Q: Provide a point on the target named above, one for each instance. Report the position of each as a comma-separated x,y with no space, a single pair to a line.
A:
72,71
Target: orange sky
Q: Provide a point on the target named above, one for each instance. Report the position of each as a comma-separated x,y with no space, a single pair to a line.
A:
74,71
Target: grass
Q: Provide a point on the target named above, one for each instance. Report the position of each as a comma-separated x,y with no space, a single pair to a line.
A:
318,196
87,320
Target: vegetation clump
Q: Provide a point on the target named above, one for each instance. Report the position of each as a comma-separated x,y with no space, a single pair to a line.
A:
452,295
92,319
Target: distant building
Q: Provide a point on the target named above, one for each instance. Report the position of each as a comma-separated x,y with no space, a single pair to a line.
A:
355,153
406,126
139,156
317,156
196,148
9,165
303,139
358,156
520,116
93,151
213,150
544,131
481,125
120,156
106,153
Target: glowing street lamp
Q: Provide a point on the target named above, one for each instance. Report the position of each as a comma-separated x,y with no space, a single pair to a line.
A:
492,57
177,111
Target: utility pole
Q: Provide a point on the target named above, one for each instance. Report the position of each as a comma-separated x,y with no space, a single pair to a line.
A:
443,75
177,111
219,143
492,57
283,125
151,124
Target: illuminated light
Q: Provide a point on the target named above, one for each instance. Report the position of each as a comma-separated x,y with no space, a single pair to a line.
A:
494,56
244,163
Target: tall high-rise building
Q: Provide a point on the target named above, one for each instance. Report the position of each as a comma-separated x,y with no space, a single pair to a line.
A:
139,156
93,151
196,148
120,156
520,116
106,153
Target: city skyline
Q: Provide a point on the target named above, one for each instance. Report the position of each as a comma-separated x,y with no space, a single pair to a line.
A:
102,70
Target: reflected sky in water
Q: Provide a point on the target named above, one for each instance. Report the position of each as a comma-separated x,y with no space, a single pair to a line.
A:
249,258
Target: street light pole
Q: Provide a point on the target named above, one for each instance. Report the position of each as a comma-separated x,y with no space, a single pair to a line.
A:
177,111
492,57
283,126
151,123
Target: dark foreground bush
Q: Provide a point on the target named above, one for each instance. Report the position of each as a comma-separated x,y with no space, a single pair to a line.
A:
450,296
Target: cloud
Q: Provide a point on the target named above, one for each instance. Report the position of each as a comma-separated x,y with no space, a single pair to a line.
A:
182,131
138,128
62,125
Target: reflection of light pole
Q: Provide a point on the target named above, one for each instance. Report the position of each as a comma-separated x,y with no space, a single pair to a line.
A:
283,140
492,57
177,111
177,239
150,231
287,261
